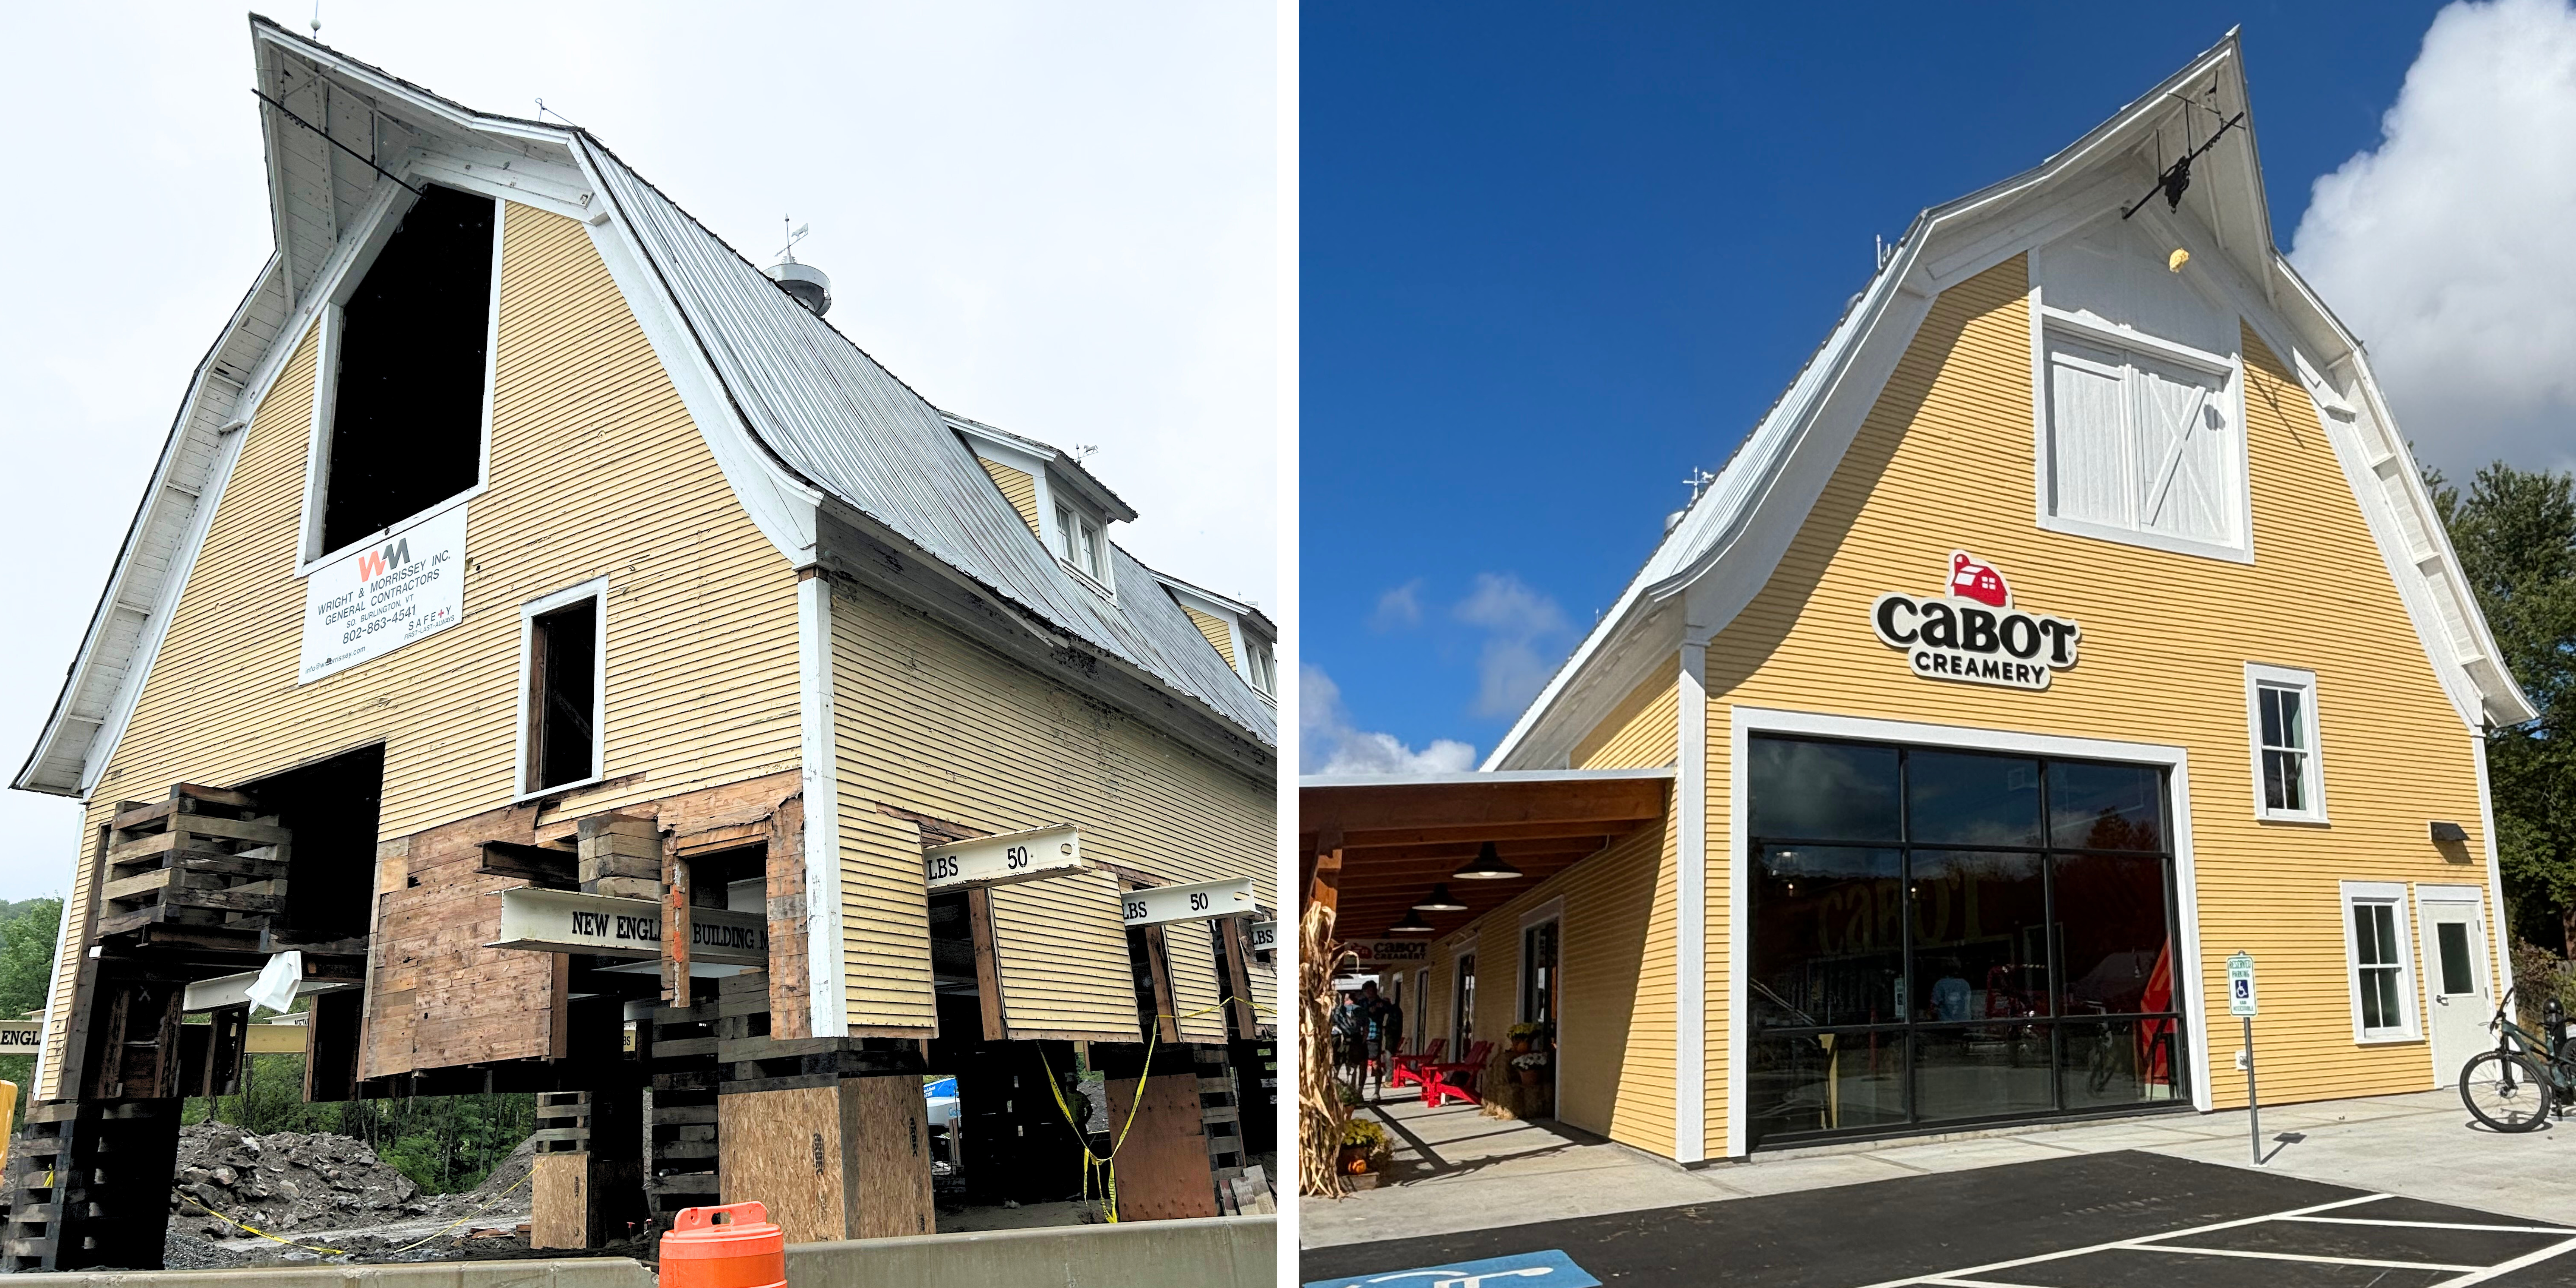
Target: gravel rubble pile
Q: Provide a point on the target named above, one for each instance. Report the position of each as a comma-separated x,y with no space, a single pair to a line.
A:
283,1181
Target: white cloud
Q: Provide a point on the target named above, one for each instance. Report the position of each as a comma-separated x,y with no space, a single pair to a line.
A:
1058,219
2447,248
1519,622
1398,609
1328,743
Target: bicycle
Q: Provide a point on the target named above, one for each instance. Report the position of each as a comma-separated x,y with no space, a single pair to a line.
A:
2528,1077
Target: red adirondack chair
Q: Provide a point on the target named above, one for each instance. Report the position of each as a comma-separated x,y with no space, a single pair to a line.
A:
1454,1080
1407,1068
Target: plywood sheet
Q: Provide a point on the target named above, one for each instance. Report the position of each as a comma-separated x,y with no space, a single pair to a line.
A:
1163,1163
889,1150
782,1149
559,1184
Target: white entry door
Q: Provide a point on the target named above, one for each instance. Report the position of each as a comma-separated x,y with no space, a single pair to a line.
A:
2455,977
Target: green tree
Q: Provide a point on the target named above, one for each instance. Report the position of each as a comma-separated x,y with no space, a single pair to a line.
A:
28,933
2515,532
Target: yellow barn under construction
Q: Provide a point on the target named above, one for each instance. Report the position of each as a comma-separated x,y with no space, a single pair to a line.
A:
542,628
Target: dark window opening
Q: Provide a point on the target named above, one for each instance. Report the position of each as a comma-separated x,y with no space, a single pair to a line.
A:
1462,1024
407,410
330,806
1940,937
563,684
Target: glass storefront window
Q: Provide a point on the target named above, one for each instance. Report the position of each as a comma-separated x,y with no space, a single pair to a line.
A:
1830,948
1823,791
2000,948
1980,935
1826,1082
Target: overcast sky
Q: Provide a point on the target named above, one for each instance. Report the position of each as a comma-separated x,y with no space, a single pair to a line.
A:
1058,219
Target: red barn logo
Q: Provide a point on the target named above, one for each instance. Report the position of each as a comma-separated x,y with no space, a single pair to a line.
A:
1973,632
1978,581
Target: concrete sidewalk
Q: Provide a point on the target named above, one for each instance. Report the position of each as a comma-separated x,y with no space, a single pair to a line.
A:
1456,1170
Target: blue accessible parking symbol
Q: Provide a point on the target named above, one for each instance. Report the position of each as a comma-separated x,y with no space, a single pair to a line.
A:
1549,1269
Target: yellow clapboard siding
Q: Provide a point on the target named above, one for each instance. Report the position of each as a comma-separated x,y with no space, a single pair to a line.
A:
1019,487
1642,732
701,614
1217,632
931,724
1944,460
1197,992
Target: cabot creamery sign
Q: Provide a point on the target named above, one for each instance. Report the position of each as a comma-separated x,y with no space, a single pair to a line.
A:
1973,633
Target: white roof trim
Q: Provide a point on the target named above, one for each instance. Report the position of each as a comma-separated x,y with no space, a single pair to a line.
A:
1946,244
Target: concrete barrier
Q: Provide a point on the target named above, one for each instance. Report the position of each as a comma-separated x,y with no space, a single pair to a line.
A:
564,1272
1206,1252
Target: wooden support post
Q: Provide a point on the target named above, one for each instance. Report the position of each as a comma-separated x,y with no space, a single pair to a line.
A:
675,929
1238,982
847,1158
331,1046
988,963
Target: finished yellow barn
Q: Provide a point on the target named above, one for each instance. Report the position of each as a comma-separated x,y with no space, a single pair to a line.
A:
2075,621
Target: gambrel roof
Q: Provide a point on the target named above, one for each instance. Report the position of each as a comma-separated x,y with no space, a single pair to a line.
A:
1724,547
803,421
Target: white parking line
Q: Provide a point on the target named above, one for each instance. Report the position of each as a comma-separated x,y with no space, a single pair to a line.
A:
1975,1276
2143,1245
2527,1259
1964,1271
2432,1225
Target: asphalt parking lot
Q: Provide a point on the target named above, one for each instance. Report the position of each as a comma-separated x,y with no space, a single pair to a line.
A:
2113,1220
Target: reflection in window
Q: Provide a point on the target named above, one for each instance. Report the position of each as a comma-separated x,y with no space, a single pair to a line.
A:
1971,800
1980,935
2001,950
1823,791
1829,943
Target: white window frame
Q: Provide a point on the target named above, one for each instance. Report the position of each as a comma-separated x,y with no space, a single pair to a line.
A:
2393,896
1261,665
529,612
2084,329
1064,541
2258,677
326,384
1458,1042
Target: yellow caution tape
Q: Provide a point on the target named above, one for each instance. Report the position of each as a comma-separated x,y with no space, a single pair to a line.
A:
1105,1164
308,1247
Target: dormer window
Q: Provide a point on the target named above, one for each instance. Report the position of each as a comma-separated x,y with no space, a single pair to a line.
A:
1080,545
1260,667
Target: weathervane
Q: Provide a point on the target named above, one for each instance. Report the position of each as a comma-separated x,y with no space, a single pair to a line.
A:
787,253
1698,480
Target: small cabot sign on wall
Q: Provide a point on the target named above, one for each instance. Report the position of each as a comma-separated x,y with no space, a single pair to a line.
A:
1973,632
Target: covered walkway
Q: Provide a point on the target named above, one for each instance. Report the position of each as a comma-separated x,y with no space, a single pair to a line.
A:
1373,847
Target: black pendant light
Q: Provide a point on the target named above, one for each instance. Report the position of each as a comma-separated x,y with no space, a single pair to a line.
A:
1413,924
1439,901
1488,866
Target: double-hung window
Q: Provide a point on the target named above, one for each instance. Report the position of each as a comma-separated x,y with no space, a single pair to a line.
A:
1079,544
2382,978
2281,718
2142,441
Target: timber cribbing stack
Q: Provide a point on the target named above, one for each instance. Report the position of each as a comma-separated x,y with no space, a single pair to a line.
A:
204,857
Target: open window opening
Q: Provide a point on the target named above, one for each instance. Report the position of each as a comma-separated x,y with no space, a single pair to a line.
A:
564,694
409,362
330,807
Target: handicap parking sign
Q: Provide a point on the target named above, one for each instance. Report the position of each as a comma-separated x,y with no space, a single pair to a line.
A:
1549,1269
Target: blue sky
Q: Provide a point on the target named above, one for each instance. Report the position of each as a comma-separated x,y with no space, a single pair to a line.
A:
1554,261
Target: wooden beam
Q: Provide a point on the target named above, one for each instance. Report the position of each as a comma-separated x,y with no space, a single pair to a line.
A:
1238,984
988,963
1503,801
545,866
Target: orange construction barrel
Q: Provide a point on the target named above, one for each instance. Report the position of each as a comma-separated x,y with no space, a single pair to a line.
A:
742,1251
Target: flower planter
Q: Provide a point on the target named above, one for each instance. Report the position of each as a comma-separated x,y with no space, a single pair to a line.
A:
1354,1160
1528,1077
